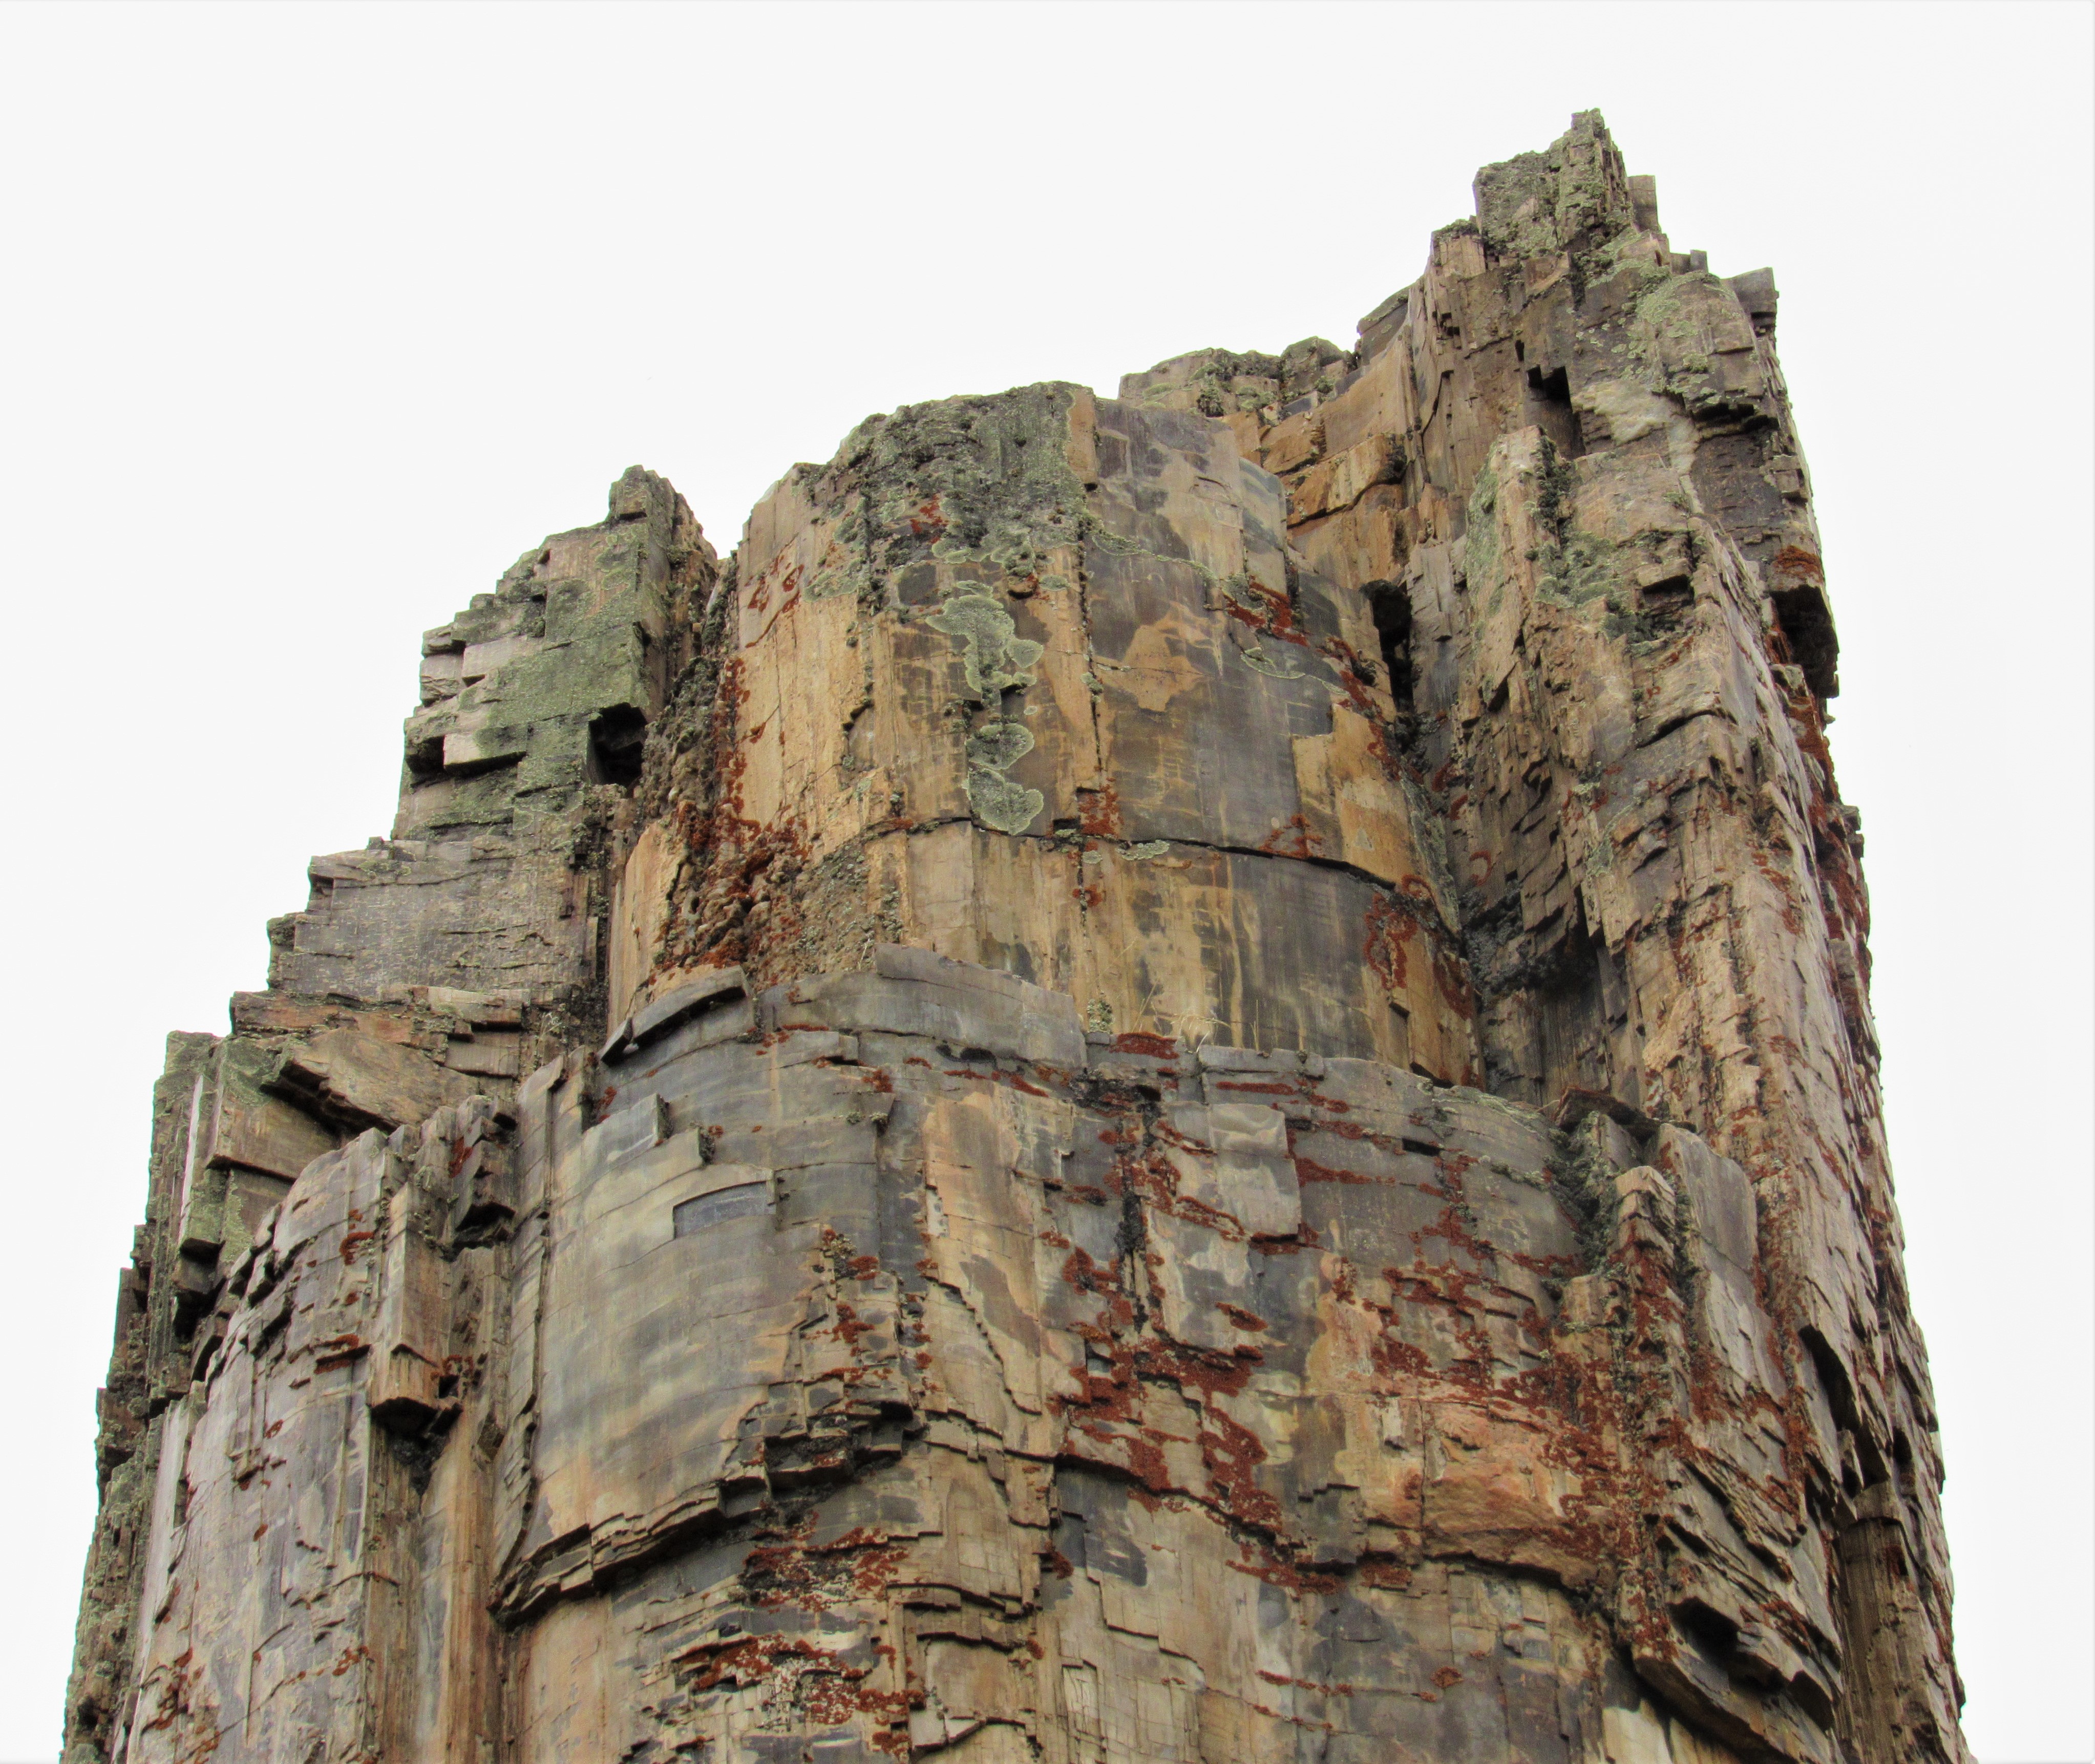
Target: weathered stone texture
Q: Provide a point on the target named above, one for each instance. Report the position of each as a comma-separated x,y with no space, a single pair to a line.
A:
1176,1078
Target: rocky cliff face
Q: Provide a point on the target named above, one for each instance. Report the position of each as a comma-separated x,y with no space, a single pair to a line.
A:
1178,1078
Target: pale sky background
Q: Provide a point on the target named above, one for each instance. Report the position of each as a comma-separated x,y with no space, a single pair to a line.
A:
313,318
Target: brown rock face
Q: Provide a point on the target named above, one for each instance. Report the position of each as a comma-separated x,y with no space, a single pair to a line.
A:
1179,1077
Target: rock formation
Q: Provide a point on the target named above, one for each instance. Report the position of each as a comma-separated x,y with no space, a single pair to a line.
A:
1178,1078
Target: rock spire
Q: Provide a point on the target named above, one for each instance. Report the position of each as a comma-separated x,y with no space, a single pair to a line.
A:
1174,1077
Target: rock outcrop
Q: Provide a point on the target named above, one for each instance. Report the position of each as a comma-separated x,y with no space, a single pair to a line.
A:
1178,1078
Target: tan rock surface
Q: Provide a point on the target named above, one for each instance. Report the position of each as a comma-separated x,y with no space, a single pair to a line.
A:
1184,1077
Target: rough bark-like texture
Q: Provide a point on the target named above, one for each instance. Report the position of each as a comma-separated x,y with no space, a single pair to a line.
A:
1182,1077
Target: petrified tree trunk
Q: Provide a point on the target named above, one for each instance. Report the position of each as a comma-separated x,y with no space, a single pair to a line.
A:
1186,1078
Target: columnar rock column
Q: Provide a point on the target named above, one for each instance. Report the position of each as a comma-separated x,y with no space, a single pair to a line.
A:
1178,1078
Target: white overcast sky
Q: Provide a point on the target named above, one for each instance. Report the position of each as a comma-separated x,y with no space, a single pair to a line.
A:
315,317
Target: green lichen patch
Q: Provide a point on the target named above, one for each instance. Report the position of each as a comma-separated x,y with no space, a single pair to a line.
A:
998,658
1482,528
1681,325
1212,381
1579,571
1279,667
968,479
997,746
1568,198
998,802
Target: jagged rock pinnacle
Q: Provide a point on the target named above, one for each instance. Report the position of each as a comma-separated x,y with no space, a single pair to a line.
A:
1181,1077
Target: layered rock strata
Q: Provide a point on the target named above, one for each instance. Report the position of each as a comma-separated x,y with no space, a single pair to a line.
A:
1178,1078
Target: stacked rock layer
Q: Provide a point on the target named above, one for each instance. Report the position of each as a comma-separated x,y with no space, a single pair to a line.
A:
1172,1078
